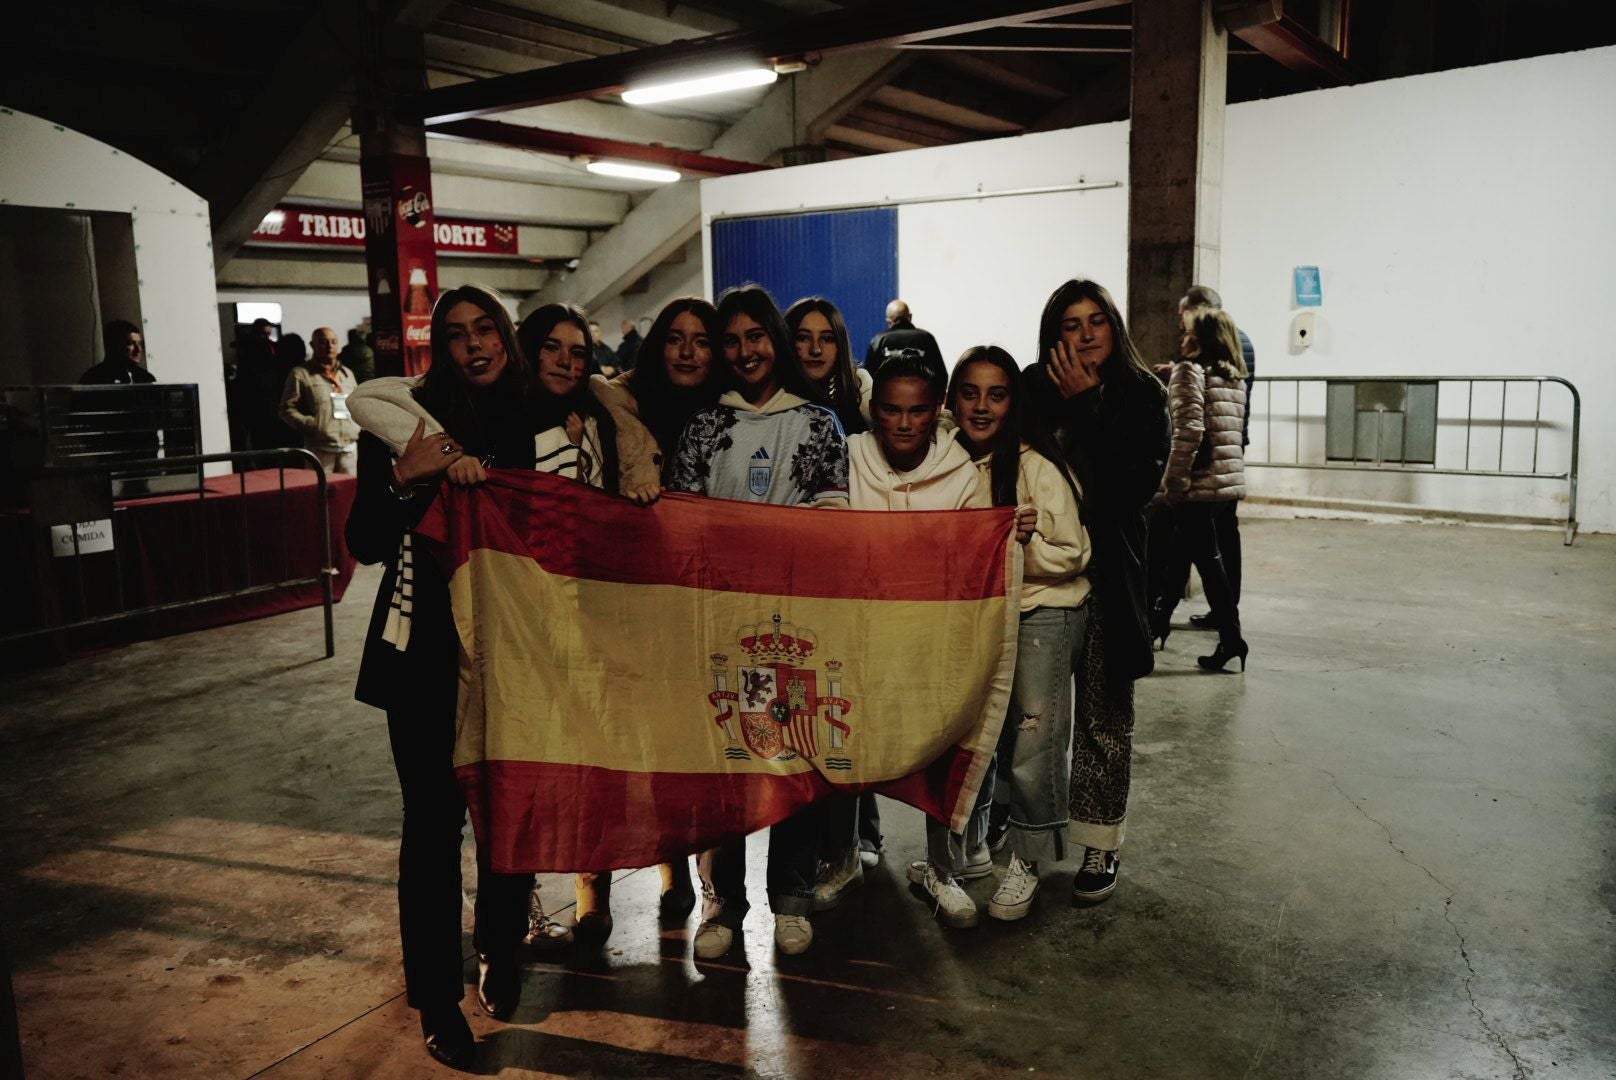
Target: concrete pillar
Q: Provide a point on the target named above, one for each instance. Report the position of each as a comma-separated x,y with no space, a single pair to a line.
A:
1175,164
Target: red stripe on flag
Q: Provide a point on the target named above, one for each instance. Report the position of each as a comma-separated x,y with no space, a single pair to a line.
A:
537,817
577,531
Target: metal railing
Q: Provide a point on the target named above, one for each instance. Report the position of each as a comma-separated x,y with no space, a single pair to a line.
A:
284,457
1263,414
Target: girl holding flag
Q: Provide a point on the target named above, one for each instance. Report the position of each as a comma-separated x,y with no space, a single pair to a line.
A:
770,439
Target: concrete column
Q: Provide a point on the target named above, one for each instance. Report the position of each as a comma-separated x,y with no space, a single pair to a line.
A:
1175,164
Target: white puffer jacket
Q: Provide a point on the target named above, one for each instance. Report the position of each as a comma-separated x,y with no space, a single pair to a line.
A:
1207,407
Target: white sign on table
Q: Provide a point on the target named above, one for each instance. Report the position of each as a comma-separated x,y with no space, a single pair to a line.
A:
94,536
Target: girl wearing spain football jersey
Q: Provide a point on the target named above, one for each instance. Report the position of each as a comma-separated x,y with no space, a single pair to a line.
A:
770,439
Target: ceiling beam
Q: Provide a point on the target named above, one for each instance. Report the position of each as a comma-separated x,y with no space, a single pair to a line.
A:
1032,76
562,142
958,107
888,25
872,117
1029,39
1265,26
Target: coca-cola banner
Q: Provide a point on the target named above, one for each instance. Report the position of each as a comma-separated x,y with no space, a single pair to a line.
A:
401,259
313,226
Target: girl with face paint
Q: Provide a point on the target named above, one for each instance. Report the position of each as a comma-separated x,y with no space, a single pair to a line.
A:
477,396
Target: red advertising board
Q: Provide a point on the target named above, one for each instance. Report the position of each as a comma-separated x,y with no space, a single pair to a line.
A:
401,260
315,226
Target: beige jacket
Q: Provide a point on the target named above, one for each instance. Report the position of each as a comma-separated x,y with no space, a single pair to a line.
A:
308,408
1208,408
639,459
1055,560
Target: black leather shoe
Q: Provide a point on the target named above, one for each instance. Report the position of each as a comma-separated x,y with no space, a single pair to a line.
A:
499,986
448,1036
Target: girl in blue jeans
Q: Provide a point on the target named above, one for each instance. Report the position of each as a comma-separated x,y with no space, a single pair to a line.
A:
1033,768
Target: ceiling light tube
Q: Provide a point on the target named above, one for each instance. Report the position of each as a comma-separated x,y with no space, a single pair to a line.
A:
707,84
624,171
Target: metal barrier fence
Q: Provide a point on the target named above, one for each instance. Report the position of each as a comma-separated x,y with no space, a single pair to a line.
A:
1383,450
284,458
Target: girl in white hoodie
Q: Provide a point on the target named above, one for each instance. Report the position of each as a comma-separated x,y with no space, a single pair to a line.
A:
906,463
1033,768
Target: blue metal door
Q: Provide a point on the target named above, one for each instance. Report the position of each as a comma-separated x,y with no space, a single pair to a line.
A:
849,257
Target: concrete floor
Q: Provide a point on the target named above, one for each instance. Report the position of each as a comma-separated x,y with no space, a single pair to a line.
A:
1384,852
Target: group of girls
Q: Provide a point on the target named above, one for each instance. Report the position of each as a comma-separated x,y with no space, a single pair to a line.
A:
739,401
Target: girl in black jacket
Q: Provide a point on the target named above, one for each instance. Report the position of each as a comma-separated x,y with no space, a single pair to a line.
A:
1108,414
479,388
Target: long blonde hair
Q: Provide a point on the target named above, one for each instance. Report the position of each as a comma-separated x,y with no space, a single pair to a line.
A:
1219,340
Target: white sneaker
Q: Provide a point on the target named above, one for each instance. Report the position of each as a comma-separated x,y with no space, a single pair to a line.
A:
713,940
793,934
834,880
954,908
1013,898
978,865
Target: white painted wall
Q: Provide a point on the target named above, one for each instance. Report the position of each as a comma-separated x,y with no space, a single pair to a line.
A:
46,165
1462,220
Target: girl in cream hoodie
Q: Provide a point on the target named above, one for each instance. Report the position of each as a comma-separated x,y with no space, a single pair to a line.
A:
1033,766
906,462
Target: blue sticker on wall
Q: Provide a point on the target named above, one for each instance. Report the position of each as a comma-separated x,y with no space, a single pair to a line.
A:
1309,287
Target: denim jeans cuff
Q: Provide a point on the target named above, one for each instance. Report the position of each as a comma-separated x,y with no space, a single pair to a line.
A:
791,903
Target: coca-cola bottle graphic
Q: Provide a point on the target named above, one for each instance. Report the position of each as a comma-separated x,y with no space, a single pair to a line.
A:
419,300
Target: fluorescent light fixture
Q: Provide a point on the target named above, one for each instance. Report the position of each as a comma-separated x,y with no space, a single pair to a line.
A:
624,171
707,84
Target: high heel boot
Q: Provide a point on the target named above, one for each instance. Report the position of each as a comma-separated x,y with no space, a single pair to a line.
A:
1228,648
1161,624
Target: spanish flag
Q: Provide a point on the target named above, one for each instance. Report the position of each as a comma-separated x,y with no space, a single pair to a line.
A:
637,683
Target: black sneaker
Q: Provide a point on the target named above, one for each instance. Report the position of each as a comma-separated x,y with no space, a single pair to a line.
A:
1097,878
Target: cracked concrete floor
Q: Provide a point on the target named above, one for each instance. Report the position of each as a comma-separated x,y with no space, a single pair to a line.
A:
1384,852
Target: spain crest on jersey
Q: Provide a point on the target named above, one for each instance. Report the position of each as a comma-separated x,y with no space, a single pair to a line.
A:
758,472
781,707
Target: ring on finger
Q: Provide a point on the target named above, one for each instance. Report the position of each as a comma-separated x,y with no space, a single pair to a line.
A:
448,448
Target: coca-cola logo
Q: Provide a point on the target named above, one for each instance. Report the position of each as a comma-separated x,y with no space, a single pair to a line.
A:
418,335
414,208
387,342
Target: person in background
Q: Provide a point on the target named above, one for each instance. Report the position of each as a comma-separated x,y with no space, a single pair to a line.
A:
1108,414
123,357
629,347
602,361
314,403
901,335
1228,521
1205,472
358,356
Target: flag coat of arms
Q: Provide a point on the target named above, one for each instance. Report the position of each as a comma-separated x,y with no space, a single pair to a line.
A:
637,683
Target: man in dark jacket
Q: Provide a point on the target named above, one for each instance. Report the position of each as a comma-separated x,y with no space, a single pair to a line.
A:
630,346
901,335
124,357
